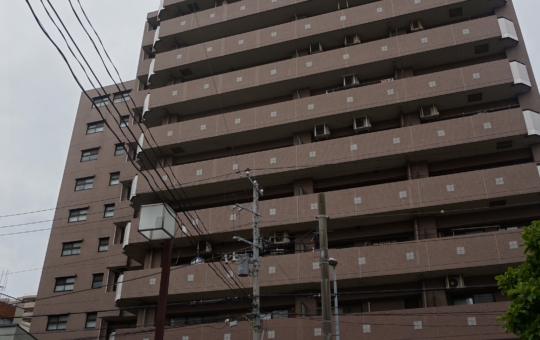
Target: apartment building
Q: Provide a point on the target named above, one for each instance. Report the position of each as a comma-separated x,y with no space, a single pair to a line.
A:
418,119
25,311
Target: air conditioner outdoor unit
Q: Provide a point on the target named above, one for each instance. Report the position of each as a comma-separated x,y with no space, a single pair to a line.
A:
427,112
204,247
361,124
350,80
352,39
321,131
315,48
416,25
454,281
281,237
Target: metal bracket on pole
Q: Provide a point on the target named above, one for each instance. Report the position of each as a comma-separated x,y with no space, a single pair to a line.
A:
238,238
240,206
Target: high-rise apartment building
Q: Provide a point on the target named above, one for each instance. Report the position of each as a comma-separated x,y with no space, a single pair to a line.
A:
418,119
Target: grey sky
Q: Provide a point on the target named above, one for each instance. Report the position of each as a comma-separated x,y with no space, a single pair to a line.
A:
39,100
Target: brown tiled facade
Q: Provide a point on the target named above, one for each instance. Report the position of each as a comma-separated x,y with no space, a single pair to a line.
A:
418,119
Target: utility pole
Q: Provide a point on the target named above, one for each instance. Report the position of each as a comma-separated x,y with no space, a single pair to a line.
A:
163,289
324,265
256,246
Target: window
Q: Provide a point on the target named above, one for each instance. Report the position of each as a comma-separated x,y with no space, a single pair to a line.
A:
64,284
475,97
97,281
119,150
84,183
103,244
91,319
94,128
100,101
192,320
348,309
412,303
456,12
78,215
473,299
71,248
124,121
89,155
57,322
115,178
481,49
109,210
121,97
505,144
193,7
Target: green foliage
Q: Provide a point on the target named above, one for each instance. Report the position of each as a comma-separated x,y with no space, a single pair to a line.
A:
522,285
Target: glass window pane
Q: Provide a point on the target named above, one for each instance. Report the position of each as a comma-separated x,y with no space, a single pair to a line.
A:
61,326
484,298
463,301
75,251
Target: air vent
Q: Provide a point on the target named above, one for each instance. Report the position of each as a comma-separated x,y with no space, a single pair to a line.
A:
177,150
315,48
416,25
456,12
350,80
281,237
186,72
479,49
475,97
321,131
193,7
505,144
352,39
454,281
427,112
497,203
361,124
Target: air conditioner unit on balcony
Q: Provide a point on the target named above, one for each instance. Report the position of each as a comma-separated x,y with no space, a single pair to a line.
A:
321,131
204,247
315,48
416,25
454,281
350,80
281,237
427,112
352,39
361,124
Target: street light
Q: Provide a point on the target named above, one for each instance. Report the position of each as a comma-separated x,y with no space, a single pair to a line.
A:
333,262
157,222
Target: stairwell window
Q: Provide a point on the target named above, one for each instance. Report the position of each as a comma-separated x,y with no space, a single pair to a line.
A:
64,284
57,322
94,127
100,101
119,149
121,97
109,211
115,178
97,281
91,319
103,245
71,248
84,183
78,215
124,121
89,155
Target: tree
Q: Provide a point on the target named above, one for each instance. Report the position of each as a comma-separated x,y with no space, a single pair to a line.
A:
522,285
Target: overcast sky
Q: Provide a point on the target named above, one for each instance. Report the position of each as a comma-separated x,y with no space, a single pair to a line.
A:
38,103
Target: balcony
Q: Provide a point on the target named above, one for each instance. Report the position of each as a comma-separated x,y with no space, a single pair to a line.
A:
480,254
252,48
472,322
236,17
444,89
474,189
463,137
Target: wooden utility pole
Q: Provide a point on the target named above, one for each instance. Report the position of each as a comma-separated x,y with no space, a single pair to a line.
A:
324,266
